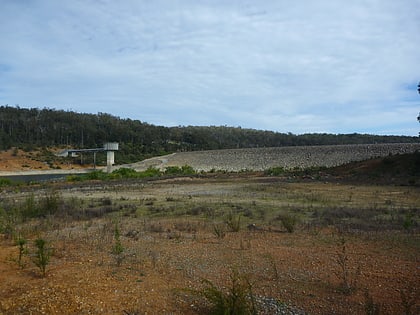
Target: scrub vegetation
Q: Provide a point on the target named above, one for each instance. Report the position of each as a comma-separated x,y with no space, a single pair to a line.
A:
318,241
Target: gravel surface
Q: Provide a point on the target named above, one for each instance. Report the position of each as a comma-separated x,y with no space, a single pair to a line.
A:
287,157
270,306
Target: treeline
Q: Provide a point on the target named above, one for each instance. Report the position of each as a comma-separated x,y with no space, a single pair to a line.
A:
32,128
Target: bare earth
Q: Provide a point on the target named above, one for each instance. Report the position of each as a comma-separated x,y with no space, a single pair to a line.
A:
19,162
167,231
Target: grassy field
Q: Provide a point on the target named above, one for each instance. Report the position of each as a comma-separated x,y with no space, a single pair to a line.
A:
189,245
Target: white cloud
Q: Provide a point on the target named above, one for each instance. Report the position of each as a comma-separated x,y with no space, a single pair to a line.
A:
303,66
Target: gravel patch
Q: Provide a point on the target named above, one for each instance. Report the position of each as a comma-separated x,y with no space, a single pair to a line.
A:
258,159
270,306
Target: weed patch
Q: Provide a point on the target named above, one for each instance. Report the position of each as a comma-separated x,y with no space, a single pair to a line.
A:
237,298
289,221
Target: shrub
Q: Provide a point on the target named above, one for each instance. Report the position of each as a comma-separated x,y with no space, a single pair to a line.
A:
348,280
42,255
5,182
124,172
275,171
288,221
236,299
118,248
233,222
106,201
150,172
199,210
187,170
95,175
9,218
21,243
74,178
219,231
409,221
176,170
29,208
50,204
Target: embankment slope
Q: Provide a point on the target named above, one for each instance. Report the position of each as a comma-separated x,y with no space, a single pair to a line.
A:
286,157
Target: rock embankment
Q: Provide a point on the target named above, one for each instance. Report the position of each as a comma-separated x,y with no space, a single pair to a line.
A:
287,157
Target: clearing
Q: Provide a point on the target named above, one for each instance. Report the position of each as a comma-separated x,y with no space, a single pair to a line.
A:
145,246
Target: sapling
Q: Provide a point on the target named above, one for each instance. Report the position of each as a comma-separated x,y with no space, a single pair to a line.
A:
348,281
118,248
21,242
42,255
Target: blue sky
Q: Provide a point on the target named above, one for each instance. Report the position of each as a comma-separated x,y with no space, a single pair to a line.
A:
306,66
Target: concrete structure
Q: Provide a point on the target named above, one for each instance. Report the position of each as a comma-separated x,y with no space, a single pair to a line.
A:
109,148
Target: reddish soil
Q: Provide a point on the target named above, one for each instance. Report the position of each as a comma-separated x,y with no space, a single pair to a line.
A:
299,269
18,160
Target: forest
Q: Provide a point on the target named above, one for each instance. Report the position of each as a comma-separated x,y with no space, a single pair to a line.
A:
33,128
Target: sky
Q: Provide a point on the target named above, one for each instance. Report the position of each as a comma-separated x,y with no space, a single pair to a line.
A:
308,66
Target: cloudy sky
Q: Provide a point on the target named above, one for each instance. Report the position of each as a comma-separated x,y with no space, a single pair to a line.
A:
305,66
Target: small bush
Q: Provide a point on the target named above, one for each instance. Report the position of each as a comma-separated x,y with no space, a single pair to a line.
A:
95,175
199,210
347,276
50,204
238,298
150,172
176,170
74,178
42,255
21,243
5,182
275,171
118,248
219,231
124,172
9,218
233,222
30,208
408,222
288,221
106,201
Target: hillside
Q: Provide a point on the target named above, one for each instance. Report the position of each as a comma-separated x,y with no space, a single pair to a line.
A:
31,129
14,160
398,169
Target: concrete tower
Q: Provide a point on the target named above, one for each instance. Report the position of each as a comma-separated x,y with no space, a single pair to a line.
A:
110,148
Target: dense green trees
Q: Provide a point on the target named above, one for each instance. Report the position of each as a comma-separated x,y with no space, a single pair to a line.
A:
29,128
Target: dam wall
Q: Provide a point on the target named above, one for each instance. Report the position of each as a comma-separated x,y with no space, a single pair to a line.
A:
286,157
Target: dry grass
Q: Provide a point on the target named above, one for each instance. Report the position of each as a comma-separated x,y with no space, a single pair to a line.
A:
166,231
